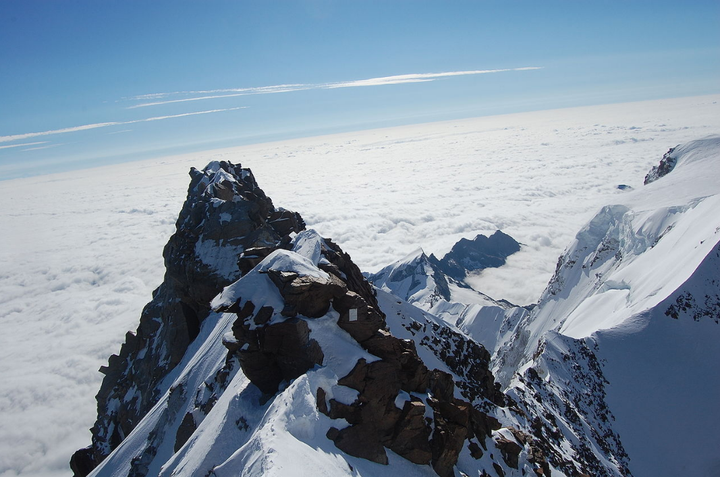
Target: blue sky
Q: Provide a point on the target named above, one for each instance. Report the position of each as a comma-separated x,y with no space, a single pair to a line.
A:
95,82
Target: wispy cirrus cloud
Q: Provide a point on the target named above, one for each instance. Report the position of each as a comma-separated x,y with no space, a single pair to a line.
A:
419,77
85,127
46,146
156,99
213,94
23,144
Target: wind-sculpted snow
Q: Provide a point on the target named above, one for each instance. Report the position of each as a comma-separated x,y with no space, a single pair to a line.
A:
630,256
674,351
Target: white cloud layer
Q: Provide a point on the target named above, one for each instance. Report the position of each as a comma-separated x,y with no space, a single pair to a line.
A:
81,252
285,88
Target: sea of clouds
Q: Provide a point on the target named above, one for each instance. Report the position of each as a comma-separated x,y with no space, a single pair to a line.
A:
81,252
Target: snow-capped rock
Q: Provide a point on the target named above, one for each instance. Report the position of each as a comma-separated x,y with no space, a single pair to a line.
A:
419,280
225,213
415,279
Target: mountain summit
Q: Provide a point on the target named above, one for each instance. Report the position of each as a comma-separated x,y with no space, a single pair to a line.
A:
260,327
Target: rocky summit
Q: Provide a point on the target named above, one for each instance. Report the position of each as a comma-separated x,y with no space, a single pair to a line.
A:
225,214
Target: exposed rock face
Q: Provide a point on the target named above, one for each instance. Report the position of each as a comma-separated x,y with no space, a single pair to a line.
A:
667,164
477,254
582,408
376,422
276,352
225,214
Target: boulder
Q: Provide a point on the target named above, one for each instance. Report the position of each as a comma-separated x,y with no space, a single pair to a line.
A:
446,444
276,352
306,295
359,441
411,436
510,451
363,322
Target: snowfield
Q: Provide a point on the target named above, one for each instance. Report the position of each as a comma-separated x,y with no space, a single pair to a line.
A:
80,254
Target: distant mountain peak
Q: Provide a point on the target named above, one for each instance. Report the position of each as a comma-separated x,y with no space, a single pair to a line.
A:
478,254
415,278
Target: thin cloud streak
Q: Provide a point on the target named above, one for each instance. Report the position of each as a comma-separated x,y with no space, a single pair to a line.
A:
252,90
42,147
421,77
23,144
18,137
286,88
283,88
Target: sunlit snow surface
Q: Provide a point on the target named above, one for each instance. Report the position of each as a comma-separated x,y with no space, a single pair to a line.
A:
80,253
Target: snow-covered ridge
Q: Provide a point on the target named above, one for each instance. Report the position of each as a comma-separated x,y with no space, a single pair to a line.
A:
210,419
296,357
631,255
639,290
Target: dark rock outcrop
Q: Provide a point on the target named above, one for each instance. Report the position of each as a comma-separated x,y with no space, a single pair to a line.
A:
82,461
667,164
401,405
377,423
186,429
307,296
225,214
